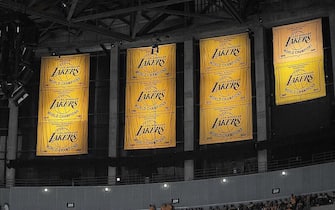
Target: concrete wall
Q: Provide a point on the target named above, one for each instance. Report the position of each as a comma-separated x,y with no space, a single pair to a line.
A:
190,193
327,207
4,196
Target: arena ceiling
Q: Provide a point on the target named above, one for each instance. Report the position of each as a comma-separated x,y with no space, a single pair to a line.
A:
64,24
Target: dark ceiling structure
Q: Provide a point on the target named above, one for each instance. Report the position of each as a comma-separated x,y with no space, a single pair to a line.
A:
65,24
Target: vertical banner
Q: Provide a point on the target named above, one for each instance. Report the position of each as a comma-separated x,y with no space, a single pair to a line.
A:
225,124
225,89
151,98
298,62
63,106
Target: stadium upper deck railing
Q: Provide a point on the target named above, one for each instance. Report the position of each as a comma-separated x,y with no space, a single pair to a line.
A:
248,168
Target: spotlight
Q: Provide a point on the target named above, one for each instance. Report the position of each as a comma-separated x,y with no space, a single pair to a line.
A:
284,173
118,179
63,4
107,189
26,55
19,95
223,180
45,190
6,87
165,186
25,74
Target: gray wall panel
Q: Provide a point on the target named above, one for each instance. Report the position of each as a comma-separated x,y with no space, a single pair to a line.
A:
191,193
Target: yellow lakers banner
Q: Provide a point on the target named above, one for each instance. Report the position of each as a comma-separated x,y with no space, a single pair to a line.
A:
225,124
148,96
297,41
299,81
298,62
65,71
151,98
148,64
225,89
225,52
62,138
68,104
63,106
231,87
150,131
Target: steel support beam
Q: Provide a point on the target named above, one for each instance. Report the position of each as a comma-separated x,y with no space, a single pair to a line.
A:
129,10
73,7
82,26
